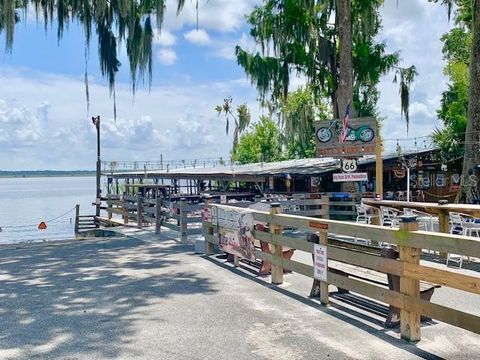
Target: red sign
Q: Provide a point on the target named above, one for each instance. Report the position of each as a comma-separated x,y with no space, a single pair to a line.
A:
317,225
42,226
207,215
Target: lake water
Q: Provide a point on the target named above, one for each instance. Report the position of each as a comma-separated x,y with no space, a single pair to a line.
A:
25,202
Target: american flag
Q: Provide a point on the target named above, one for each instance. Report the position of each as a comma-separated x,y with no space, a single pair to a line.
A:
346,124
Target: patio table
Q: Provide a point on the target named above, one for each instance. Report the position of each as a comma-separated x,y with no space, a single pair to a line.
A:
440,210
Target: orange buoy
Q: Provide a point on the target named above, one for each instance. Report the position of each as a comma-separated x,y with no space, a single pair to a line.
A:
42,226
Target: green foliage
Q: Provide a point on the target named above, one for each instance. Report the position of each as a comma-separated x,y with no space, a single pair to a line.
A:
453,109
241,119
261,143
298,114
297,36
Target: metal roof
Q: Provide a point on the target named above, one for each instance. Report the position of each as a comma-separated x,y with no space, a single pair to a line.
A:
312,166
300,166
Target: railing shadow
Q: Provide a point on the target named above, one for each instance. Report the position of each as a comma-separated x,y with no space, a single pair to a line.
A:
85,297
337,310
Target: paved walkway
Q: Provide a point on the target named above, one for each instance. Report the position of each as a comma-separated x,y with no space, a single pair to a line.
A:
144,297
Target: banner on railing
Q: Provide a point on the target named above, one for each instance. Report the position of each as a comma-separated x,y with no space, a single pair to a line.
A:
235,232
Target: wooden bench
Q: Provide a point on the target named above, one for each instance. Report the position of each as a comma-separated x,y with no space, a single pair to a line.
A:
389,281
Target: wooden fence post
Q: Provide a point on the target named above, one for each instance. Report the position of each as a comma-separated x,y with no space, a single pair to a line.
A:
326,206
109,206
277,271
139,210
209,245
125,208
183,220
375,220
409,321
77,218
158,214
444,222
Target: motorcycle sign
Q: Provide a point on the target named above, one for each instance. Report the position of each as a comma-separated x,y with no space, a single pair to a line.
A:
363,133
360,138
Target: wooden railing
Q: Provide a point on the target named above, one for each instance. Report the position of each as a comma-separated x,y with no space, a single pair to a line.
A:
407,240
179,216
342,208
84,222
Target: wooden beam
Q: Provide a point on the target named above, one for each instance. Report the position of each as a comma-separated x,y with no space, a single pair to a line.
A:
378,164
277,271
409,320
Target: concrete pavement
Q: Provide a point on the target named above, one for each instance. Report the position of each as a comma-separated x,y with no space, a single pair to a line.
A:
144,297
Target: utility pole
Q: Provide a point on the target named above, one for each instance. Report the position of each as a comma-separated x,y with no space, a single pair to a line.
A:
96,122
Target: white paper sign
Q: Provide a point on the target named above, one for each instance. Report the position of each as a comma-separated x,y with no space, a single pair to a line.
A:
350,177
321,263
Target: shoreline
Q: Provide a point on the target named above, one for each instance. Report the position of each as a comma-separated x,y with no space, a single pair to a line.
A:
45,176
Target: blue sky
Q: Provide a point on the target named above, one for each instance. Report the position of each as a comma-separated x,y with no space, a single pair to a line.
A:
43,120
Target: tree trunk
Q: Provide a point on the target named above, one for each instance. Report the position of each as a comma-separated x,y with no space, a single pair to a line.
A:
345,77
471,160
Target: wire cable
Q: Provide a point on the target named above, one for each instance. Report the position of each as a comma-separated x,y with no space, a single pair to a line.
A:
35,225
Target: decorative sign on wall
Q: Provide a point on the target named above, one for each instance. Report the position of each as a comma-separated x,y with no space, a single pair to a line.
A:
440,180
455,182
350,177
321,262
359,141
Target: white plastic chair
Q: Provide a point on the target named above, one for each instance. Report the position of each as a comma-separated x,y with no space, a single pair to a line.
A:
461,224
389,216
362,215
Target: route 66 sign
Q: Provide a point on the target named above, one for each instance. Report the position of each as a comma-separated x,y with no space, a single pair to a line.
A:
349,165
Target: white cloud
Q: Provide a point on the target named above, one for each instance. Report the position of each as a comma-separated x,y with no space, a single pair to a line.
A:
165,38
219,15
414,28
226,48
19,126
167,56
198,37
177,121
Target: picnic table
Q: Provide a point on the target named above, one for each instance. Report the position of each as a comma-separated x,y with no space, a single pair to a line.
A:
440,210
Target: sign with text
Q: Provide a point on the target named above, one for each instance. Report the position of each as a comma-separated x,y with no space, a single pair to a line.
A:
235,233
343,177
360,139
321,262
317,225
349,165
